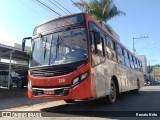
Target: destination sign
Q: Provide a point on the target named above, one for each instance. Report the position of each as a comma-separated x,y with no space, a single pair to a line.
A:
60,22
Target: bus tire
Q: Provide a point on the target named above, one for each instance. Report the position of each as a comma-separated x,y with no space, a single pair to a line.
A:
137,91
69,101
111,98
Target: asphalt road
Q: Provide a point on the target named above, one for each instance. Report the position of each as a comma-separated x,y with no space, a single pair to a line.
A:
147,101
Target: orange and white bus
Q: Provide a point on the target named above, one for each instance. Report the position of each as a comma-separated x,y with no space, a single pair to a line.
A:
74,58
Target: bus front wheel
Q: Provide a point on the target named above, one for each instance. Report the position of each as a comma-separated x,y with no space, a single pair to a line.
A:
113,93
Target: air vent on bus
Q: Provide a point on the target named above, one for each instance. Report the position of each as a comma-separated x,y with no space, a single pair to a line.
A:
49,72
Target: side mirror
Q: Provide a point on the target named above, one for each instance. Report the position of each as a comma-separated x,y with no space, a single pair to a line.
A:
23,43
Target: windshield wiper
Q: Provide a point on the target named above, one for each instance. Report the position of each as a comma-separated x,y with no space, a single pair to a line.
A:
50,49
45,49
57,47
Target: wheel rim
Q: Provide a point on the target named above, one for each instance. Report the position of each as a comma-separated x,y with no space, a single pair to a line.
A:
113,92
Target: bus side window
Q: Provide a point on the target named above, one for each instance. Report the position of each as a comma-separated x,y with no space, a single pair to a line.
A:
110,49
135,63
126,58
98,53
139,66
131,61
120,54
100,48
92,42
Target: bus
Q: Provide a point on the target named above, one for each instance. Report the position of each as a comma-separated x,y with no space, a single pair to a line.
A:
74,58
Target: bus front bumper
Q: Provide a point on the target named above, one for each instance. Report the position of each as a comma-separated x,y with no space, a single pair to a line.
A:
80,91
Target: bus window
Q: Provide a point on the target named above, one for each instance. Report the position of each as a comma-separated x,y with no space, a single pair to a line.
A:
131,61
139,65
126,58
135,63
120,54
110,49
97,56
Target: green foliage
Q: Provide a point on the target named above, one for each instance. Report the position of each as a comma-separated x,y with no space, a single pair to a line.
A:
101,10
28,52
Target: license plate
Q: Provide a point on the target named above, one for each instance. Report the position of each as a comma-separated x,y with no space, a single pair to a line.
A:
49,92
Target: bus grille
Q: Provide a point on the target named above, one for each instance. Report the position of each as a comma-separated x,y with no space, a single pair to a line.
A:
49,72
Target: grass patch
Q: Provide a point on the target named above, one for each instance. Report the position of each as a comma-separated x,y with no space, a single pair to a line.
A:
13,92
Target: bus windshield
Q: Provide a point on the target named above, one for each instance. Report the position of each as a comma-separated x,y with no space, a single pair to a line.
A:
60,48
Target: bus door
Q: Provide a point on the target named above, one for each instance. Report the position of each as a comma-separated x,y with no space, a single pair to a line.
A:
98,58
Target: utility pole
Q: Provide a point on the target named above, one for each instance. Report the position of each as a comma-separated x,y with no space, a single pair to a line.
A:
134,50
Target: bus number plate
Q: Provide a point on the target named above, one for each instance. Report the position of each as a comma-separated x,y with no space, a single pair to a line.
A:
49,92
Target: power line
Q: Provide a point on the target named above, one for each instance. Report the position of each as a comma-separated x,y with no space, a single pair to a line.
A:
51,9
67,6
57,6
63,7
48,7
27,6
76,5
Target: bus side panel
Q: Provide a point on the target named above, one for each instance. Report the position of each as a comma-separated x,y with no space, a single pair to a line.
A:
102,76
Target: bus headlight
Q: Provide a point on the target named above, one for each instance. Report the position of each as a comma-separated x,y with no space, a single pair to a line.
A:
29,84
80,78
75,80
83,76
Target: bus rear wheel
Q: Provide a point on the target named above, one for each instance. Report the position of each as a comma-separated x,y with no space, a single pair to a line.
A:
69,101
111,98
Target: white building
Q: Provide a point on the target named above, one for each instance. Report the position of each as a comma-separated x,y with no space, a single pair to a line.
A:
144,62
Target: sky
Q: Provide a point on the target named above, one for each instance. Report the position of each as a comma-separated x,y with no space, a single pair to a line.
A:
19,17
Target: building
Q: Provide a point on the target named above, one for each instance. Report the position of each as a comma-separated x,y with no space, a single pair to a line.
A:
10,54
144,63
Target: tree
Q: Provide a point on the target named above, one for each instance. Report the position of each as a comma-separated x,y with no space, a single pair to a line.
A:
28,52
101,10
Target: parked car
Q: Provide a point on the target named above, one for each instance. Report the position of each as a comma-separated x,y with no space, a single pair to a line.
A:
4,77
20,78
20,81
